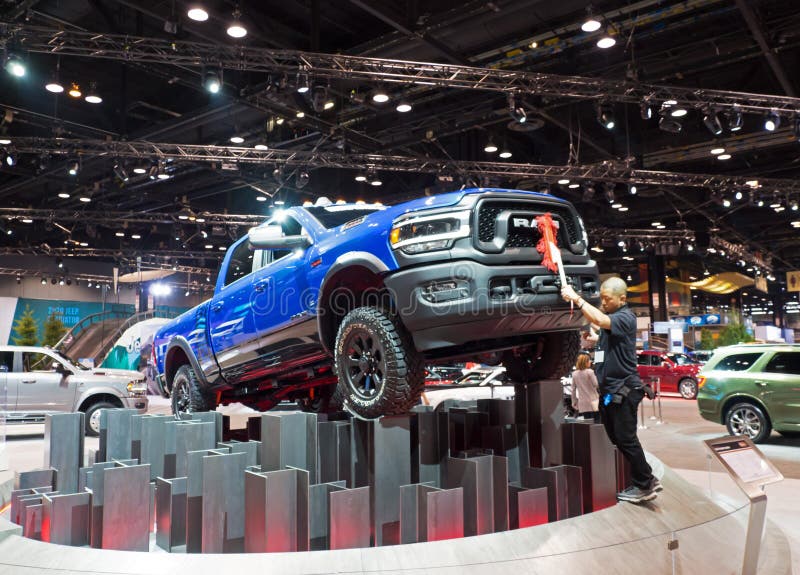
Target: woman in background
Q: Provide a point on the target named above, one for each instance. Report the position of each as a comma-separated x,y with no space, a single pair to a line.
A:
585,398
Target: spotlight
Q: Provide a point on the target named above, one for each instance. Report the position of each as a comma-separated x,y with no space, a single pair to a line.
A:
301,179
605,115
726,203
319,95
712,122
678,111
15,65
608,192
44,281
74,168
517,112
328,104
11,158
75,91
717,151
670,125
646,110
302,82
505,153
19,279
738,195
490,147
212,81
632,189
198,14
380,96
60,263
734,118
236,29
92,96
236,139
361,177
772,121
120,171
403,106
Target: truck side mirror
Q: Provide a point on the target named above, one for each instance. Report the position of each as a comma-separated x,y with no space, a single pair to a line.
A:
272,238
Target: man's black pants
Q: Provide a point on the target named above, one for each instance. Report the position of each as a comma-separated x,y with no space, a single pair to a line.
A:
619,420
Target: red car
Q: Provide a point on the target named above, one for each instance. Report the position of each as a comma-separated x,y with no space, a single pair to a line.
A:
677,371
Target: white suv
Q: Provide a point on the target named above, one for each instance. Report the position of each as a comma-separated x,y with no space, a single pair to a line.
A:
35,381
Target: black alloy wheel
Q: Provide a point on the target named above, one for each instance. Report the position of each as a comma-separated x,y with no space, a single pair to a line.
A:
365,363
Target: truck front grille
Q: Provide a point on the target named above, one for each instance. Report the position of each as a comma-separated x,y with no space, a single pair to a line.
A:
488,222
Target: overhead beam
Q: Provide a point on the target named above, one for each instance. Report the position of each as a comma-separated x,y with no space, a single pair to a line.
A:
607,171
772,59
196,54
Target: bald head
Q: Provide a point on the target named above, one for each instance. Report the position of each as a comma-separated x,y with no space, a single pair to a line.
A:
615,286
613,294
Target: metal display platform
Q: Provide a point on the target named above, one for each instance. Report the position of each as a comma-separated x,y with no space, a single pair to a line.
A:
532,488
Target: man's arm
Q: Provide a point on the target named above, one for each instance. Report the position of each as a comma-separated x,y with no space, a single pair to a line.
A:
590,312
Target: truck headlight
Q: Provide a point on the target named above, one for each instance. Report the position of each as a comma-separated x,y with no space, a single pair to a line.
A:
429,233
136,388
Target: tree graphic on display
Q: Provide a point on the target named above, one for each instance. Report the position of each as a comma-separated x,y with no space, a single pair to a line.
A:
26,329
53,330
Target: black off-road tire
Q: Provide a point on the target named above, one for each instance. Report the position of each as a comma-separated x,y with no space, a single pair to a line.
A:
92,417
550,358
402,369
325,400
746,418
187,396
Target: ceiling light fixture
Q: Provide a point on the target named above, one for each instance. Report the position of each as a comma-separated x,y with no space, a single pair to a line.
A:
646,110
724,157
591,24
237,139
236,29
678,111
302,83
717,151
380,96
607,41
517,111
734,118
197,13
75,91
403,106
490,147
92,96
74,168
505,153
669,125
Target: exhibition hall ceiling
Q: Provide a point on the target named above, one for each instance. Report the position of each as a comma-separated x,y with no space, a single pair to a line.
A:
590,108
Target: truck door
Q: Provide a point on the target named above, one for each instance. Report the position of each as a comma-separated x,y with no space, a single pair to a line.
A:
284,317
40,388
232,330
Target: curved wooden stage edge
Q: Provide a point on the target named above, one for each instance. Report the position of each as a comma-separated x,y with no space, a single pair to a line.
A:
623,539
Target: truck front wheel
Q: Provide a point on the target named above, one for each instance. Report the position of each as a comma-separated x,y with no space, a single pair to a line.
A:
380,371
550,358
187,397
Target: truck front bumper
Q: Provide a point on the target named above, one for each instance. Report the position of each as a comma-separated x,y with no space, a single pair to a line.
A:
139,402
454,303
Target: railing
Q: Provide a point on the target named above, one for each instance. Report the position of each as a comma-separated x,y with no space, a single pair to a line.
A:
109,343
71,336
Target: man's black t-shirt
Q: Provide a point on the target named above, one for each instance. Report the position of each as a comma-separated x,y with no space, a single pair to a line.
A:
618,347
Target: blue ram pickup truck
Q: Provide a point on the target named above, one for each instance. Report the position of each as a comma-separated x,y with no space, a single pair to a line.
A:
343,305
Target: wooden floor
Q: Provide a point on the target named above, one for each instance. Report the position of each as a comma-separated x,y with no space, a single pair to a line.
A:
624,539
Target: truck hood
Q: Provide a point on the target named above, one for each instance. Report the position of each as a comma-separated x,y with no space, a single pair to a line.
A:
128,374
450,199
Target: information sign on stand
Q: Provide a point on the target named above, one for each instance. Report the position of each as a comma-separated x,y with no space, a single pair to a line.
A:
751,471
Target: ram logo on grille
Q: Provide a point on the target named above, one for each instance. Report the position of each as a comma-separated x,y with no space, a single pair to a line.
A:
525,222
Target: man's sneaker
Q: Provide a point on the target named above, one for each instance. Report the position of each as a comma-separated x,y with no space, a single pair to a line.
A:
635,494
655,485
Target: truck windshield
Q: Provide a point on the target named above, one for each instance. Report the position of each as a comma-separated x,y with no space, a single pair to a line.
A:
334,216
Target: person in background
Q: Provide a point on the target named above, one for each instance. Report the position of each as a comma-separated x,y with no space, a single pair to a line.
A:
585,399
621,389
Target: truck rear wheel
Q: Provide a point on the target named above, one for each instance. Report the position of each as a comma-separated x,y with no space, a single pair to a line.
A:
187,397
380,371
550,358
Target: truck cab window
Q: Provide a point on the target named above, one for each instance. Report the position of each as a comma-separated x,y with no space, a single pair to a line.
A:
241,263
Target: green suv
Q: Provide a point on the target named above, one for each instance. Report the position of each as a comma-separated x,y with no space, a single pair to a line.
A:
752,389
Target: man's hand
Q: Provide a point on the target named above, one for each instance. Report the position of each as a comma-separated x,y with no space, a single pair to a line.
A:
590,336
569,294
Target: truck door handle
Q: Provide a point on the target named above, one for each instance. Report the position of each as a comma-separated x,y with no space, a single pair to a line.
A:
217,306
28,381
261,286
762,383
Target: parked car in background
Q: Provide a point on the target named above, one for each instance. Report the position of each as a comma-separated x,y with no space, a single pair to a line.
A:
752,389
676,371
482,376
41,381
442,374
